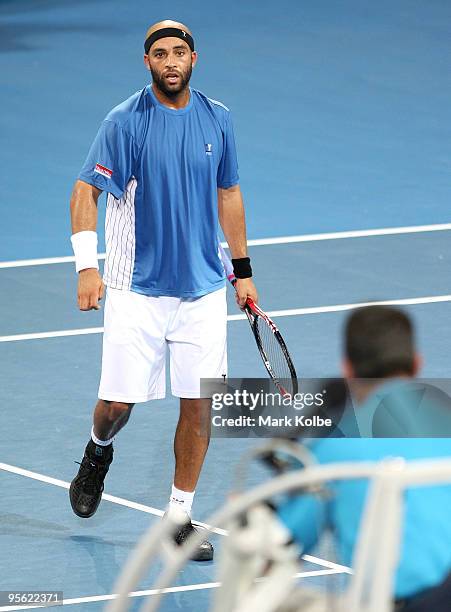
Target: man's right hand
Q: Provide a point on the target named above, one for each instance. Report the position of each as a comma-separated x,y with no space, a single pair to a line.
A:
90,289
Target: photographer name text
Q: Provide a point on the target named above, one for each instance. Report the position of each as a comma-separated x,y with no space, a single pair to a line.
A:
270,421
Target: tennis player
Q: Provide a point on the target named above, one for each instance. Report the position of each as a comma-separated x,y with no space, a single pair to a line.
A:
166,157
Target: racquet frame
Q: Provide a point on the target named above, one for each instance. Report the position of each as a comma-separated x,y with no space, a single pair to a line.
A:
253,313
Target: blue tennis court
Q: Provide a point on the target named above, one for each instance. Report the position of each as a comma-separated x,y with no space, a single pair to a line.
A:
342,119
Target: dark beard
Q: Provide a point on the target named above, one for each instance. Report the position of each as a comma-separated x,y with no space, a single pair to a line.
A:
171,92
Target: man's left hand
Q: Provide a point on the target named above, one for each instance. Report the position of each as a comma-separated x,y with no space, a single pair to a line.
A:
245,289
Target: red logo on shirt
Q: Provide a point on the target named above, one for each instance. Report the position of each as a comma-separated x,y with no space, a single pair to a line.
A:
104,171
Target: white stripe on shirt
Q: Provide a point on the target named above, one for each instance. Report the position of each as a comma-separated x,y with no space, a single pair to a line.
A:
120,238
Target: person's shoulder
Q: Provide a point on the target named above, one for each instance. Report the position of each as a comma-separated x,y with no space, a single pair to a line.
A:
215,106
220,106
127,113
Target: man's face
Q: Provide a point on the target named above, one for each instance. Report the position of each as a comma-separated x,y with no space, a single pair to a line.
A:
170,62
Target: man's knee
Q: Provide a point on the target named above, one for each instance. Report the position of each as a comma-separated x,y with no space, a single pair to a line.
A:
196,413
194,408
117,411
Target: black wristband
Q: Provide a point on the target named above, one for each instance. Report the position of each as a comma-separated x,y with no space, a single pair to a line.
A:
242,267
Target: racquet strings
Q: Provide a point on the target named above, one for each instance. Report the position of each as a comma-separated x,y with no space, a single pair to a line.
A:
274,354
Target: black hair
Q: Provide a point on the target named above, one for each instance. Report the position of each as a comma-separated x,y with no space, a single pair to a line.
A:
379,342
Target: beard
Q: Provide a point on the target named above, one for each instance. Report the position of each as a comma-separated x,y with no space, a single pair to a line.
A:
172,91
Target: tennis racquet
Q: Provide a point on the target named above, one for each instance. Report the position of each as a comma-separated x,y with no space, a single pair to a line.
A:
270,343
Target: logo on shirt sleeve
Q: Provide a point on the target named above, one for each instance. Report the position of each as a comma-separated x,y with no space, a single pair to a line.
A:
103,171
209,149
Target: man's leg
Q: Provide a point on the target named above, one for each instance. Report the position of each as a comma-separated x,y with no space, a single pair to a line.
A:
191,441
86,488
133,370
109,418
197,344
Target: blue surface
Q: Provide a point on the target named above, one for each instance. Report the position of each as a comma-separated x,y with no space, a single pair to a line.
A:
342,119
341,110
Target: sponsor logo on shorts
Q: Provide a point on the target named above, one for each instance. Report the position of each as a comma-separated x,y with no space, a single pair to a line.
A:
103,171
209,149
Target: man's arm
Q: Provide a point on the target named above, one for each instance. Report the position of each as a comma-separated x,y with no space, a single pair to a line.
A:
232,220
305,517
83,209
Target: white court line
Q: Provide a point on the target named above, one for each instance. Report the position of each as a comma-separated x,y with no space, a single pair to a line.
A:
149,510
177,589
45,261
111,498
386,231
336,567
53,334
435,299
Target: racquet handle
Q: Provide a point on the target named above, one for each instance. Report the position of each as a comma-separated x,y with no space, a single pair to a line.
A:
228,269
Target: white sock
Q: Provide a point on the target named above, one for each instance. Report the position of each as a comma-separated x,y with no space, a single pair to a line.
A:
181,499
100,442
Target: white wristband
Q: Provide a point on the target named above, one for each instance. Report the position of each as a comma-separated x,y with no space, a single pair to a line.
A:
85,250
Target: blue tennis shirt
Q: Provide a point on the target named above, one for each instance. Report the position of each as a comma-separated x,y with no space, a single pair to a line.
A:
425,555
161,168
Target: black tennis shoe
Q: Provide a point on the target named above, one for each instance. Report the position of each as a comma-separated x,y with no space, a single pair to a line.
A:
204,550
86,488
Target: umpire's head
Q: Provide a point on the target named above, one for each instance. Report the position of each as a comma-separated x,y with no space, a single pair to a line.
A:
379,343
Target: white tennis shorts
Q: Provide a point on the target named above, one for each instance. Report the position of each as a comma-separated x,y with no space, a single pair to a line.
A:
138,328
